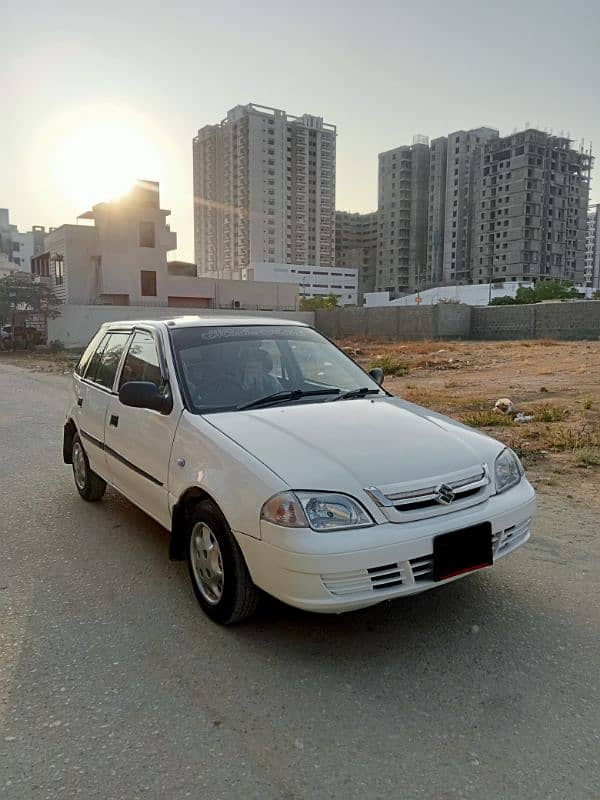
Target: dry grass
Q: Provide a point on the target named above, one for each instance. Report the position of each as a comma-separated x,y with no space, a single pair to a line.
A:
586,402
548,413
487,418
587,457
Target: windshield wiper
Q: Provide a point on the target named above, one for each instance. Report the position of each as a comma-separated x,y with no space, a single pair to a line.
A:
361,392
282,397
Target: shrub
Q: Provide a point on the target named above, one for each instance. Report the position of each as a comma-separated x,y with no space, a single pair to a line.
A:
587,456
587,403
548,413
56,346
391,365
486,419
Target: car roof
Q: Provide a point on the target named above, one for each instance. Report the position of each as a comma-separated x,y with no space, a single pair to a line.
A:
197,321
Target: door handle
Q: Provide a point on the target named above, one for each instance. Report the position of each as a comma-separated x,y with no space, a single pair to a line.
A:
80,401
114,420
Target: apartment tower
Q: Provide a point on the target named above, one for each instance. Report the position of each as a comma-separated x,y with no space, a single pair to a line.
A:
591,278
264,191
402,218
356,246
531,209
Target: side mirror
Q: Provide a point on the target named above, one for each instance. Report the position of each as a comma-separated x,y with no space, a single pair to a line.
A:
377,375
144,394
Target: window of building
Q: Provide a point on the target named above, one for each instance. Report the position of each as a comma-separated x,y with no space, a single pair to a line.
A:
148,279
147,234
59,269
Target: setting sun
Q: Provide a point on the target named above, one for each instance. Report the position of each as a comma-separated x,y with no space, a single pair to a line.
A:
99,153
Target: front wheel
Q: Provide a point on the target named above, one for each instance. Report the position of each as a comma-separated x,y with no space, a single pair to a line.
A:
219,575
89,485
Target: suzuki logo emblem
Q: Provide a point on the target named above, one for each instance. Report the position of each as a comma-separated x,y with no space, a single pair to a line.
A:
444,494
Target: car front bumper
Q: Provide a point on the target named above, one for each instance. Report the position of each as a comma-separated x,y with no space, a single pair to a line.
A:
345,570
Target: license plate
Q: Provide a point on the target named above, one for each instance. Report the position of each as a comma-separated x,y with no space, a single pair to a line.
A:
462,551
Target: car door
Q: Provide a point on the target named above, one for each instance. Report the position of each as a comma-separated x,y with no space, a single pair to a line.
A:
138,440
93,389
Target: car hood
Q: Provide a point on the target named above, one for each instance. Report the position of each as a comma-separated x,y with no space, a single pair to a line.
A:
361,442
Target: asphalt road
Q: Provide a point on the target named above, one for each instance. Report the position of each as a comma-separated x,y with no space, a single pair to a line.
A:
114,685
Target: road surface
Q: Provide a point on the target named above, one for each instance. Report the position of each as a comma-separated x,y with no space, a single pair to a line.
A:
114,685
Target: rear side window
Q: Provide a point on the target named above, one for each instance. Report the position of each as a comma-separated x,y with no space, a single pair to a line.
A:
141,362
102,369
88,353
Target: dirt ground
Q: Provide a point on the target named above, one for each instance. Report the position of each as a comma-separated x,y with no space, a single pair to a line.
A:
556,382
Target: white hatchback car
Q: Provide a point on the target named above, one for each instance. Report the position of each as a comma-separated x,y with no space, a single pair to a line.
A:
278,464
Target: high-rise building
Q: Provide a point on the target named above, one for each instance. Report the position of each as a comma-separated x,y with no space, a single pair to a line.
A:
463,157
356,246
591,279
264,191
402,211
530,212
436,213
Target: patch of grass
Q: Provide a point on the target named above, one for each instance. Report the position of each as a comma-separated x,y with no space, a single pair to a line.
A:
549,413
587,456
587,403
575,438
391,365
486,419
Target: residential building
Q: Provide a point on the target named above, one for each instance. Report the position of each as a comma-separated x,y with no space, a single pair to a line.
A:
402,217
356,246
463,157
20,246
121,259
312,280
436,212
591,280
264,191
530,211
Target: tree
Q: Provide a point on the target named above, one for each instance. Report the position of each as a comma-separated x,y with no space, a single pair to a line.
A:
21,295
320,301
543,290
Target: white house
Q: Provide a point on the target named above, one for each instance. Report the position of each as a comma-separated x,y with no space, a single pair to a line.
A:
121,259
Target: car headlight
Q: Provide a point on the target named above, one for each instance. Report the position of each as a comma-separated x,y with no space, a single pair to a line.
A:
321,511
508,470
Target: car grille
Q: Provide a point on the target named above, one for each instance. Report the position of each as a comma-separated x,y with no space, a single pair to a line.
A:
408,503
416,570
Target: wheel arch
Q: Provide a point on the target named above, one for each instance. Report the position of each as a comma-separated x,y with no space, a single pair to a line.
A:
187,500
69,431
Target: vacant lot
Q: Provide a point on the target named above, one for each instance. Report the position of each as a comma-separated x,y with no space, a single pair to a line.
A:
556,382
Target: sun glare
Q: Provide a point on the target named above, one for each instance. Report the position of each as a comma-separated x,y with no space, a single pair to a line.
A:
99,154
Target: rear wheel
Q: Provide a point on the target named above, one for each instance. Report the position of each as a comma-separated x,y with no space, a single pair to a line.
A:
89,485
219,575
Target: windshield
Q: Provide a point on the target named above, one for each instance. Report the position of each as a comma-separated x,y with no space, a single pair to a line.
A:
228,367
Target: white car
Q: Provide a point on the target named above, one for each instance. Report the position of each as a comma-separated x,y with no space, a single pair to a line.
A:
277,463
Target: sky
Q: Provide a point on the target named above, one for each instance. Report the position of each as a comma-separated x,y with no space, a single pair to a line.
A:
94,93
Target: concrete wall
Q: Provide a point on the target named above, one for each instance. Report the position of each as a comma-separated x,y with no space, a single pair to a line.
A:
569,320
77,324
377,323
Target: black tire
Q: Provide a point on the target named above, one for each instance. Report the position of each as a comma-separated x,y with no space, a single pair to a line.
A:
238,595
89,485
